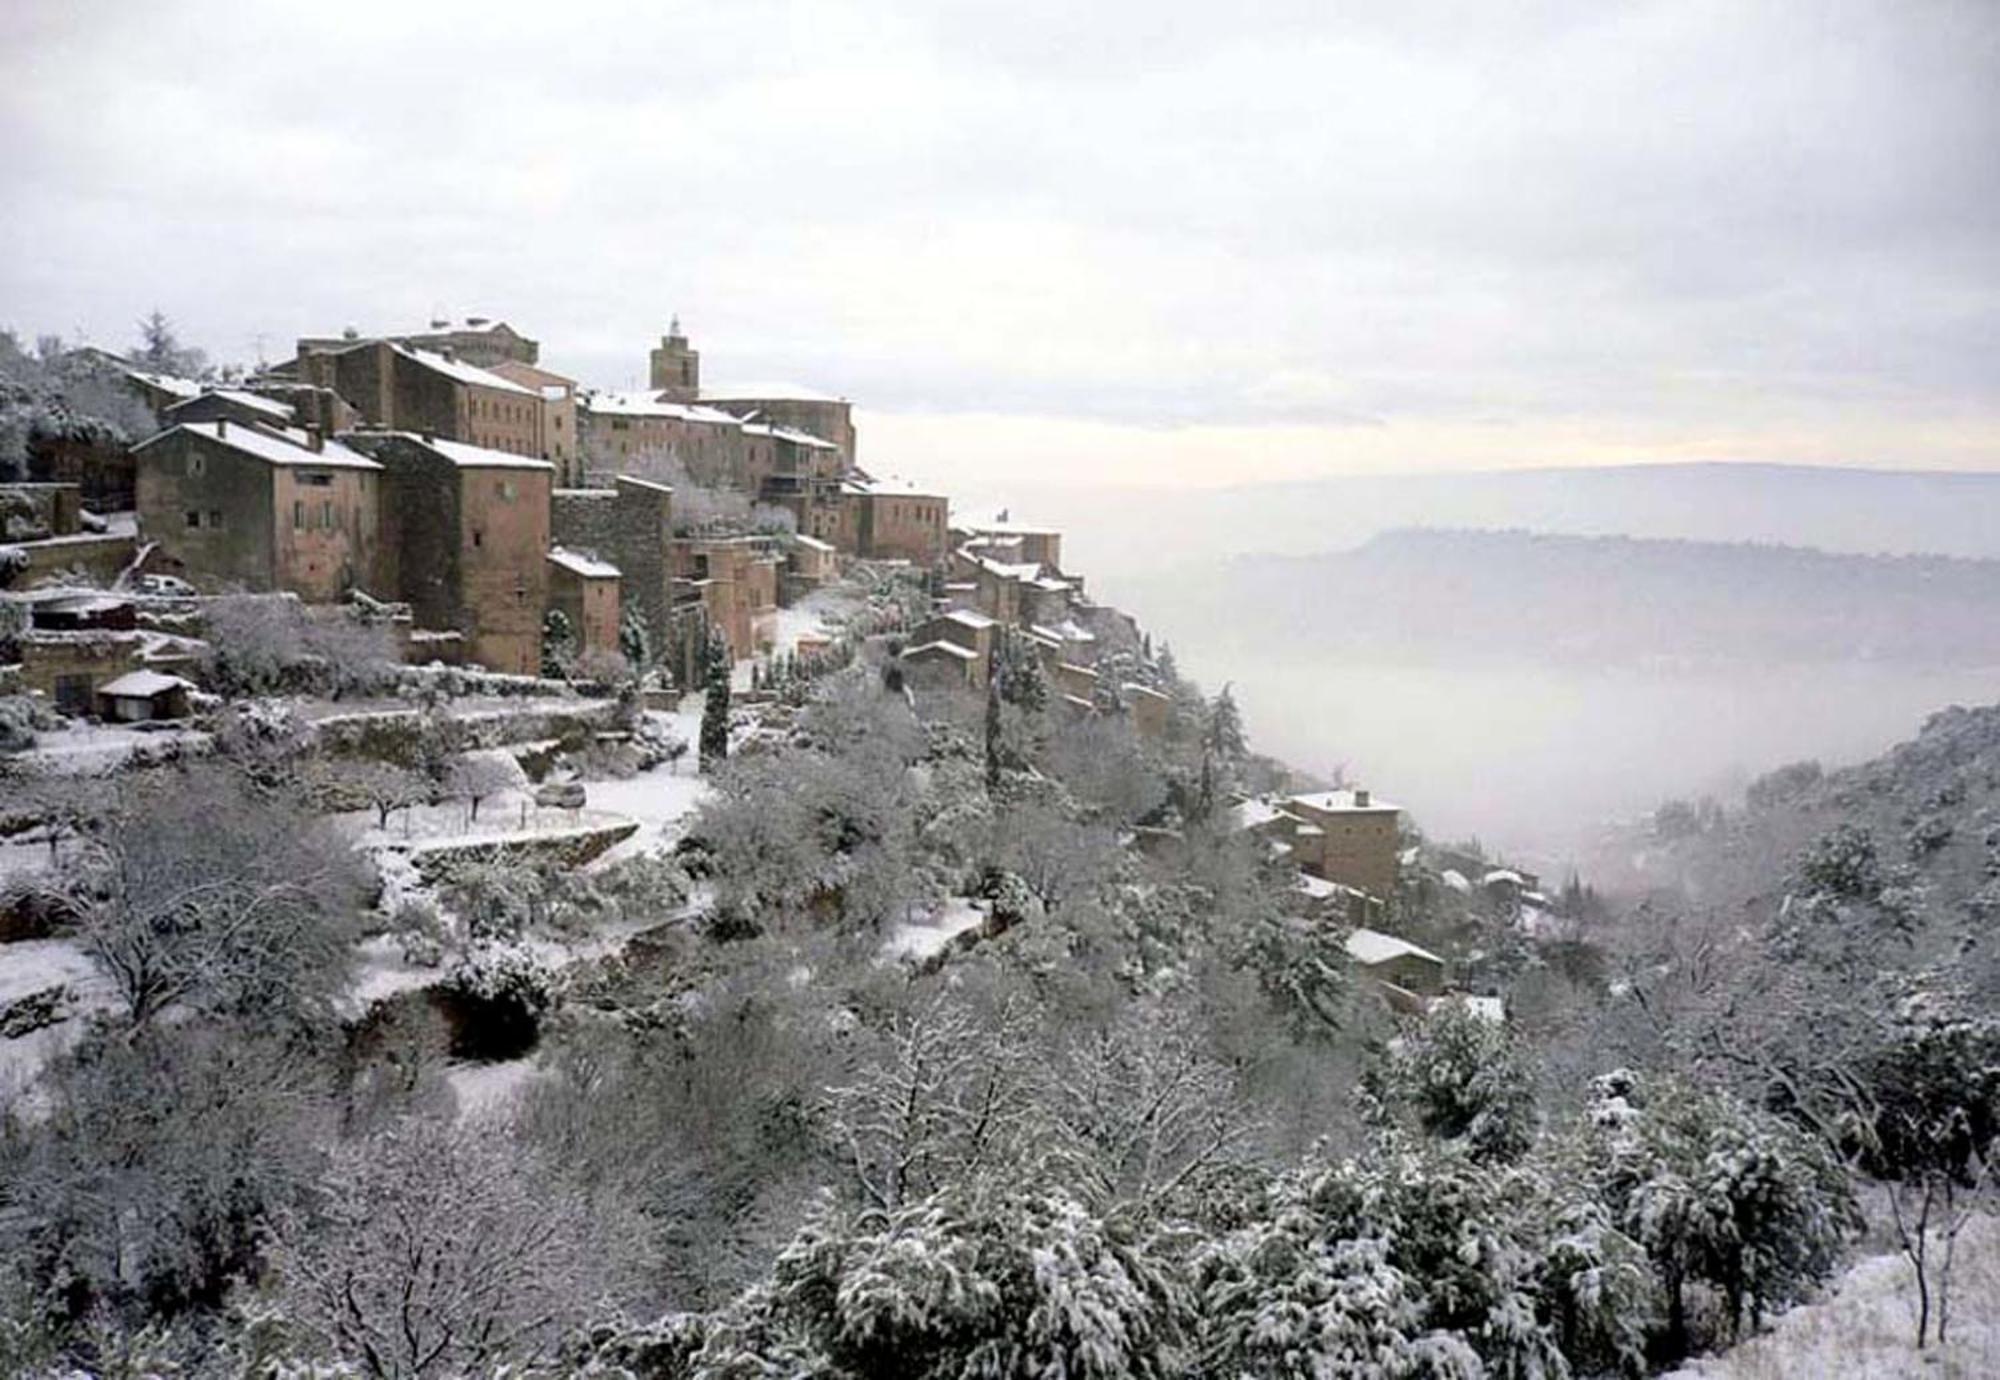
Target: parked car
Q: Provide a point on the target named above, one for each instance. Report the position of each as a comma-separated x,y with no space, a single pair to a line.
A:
172,585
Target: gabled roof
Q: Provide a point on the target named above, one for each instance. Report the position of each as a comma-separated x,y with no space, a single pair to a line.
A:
971,618
270,445
143,685
652,405
461,372
1370,947
951,649
787,433
281,414
1340,802
467,456
167,383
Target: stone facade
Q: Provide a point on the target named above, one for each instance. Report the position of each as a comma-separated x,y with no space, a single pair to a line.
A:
630,526
230,405
795,409
585,591
735,582
558,416
900,524
477,341
248,508
398,388
465,534
1356,842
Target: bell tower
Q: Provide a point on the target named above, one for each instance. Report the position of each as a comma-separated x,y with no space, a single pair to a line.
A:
676,368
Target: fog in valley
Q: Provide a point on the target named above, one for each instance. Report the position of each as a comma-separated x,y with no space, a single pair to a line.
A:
1532,692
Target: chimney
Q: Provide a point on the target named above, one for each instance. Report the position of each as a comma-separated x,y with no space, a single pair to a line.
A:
438,325
221,427
314,441
1360,799
429,436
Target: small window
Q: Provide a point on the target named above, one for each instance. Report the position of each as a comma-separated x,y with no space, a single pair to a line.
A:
193,518
326,513
197,463
215,518
298,514
478,537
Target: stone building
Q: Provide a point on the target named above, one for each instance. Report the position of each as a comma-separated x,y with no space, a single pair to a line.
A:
898,520
229,405
1356,843
629,525
400,388
787,405
648,436
964,628
1011,541
735,582
674,367
558,416
465,537
230,506
76,644
585,591
479,341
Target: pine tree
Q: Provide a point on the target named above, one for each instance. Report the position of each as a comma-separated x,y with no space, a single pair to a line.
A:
993,734
1223,735
715,710
635,642
558,644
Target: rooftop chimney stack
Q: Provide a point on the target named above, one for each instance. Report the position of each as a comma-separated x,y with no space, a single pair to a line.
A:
1360,799
221,427
314,441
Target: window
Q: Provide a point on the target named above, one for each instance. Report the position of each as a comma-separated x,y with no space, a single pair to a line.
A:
298,514
193,518
316,481
326,513
215,517
197,464
478,537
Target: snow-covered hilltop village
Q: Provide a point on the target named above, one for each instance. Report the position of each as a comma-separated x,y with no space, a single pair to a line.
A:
501,876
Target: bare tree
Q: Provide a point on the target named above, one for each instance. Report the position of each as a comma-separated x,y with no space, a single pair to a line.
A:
473,776
441,1251
200,892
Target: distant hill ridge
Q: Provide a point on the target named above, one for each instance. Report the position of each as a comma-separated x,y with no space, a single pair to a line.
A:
1471,594
1129,531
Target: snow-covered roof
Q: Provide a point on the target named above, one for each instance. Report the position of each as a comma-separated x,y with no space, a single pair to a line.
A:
949,648
1370,947
459,370
1132,687
274,448
787,433
281,413
1502,876
589,567
1337,802
467,456
766,392
1254,813
652,405
167,383
971,618
143,685
813,543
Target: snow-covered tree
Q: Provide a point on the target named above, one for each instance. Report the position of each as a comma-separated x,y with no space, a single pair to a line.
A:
716,667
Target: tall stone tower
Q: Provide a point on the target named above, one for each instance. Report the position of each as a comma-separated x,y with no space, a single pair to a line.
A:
676,368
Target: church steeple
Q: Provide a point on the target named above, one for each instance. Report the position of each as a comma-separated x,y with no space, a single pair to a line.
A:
676,371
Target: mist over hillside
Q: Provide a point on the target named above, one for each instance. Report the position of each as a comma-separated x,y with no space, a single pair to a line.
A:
1535,598
1527,687
1117,532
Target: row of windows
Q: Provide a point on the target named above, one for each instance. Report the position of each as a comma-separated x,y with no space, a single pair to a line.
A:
323,515
916,512
498,411
195,523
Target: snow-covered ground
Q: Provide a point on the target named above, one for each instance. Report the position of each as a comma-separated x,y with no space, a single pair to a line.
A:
485,1090
1866,1327
84,749
31,966
930,936
659,800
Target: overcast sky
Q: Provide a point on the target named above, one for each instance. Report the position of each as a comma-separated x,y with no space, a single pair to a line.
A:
1146,242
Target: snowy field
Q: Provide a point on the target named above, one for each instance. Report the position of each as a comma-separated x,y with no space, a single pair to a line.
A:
933,934
1864,1328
